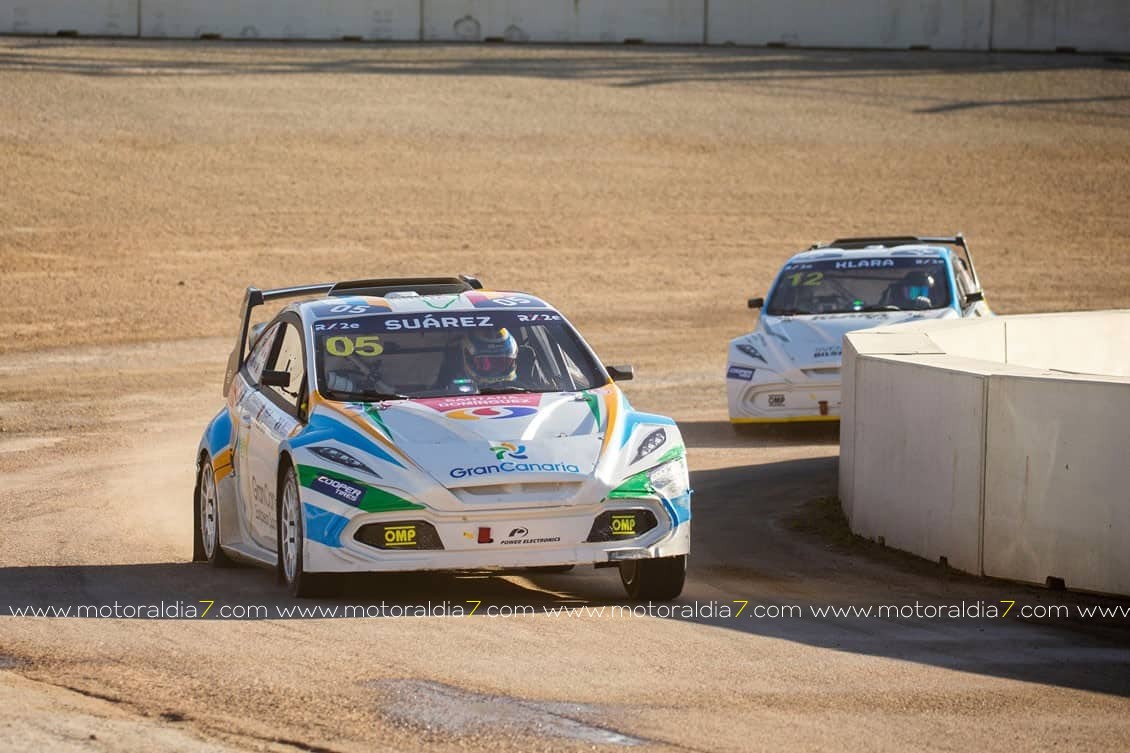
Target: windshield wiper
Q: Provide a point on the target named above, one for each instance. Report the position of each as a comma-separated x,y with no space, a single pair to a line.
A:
877,307
789,312
510,390
376,395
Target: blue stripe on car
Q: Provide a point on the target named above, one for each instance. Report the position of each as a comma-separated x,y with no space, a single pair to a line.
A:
324,526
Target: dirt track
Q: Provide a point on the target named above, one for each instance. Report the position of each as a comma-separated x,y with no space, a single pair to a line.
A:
647,192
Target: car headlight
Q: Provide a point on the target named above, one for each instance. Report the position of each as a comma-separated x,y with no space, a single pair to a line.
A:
671,479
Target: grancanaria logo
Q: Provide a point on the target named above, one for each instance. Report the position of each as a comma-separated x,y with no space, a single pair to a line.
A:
518,452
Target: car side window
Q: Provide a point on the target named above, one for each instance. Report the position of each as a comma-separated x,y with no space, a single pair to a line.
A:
257,359
964,281
288,358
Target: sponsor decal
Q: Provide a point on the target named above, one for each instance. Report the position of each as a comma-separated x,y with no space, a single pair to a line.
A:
503,300
835,351
479,407
402,536
543,540
432,321
341,457
650,444
502,411
739,372
518,533
484,535
351,306
624,525
337,488
517,452
776,400
864,263
509,467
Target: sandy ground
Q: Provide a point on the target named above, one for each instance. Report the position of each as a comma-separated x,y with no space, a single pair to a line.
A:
647,192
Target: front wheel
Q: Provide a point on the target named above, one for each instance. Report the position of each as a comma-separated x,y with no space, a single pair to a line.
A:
291,540
659,579
206,538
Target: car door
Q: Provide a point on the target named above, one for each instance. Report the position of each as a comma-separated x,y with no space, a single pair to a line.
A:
280,412
248,405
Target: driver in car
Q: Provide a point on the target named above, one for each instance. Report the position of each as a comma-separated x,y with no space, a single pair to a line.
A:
491,357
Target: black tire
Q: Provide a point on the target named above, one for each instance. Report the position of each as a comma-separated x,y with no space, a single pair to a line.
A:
659,579
291,536
550,569
206,518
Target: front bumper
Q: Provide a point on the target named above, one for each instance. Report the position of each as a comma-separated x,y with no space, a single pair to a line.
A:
513,538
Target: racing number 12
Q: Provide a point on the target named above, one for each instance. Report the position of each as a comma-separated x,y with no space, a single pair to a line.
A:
810,279
362,345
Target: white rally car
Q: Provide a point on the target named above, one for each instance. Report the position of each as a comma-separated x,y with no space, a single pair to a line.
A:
788,368
427,424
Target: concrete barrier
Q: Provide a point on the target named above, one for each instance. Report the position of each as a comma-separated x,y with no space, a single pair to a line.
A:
656,21
896,24
282,19
1084,25
1000,444
1057,497
107,18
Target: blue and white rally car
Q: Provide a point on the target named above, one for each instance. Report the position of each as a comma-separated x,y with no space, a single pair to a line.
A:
427,424
788,368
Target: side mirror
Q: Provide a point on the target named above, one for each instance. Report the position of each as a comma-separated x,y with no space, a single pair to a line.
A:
976,295
755,303
275,379
620,373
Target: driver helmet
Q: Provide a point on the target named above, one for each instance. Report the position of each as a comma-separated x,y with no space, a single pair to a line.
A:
917,284
491,356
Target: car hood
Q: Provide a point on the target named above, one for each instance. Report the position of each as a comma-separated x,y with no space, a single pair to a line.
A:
788,342
480,439
525,449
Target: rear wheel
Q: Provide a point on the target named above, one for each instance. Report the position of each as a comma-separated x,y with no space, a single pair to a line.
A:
206,542
659,579
291,541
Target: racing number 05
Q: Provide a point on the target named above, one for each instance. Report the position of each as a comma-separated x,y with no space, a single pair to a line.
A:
362,345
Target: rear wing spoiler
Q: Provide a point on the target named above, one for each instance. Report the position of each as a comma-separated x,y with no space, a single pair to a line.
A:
955,241
253,297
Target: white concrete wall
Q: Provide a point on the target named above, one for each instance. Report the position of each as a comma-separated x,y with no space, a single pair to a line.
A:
1054,342
1086,25
939,24
1057,497
282,19
917,461
108,18
659,21
967,439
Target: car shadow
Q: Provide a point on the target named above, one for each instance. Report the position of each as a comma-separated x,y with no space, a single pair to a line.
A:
724,435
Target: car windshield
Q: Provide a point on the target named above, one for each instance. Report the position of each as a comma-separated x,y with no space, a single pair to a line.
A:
397,356
842,286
